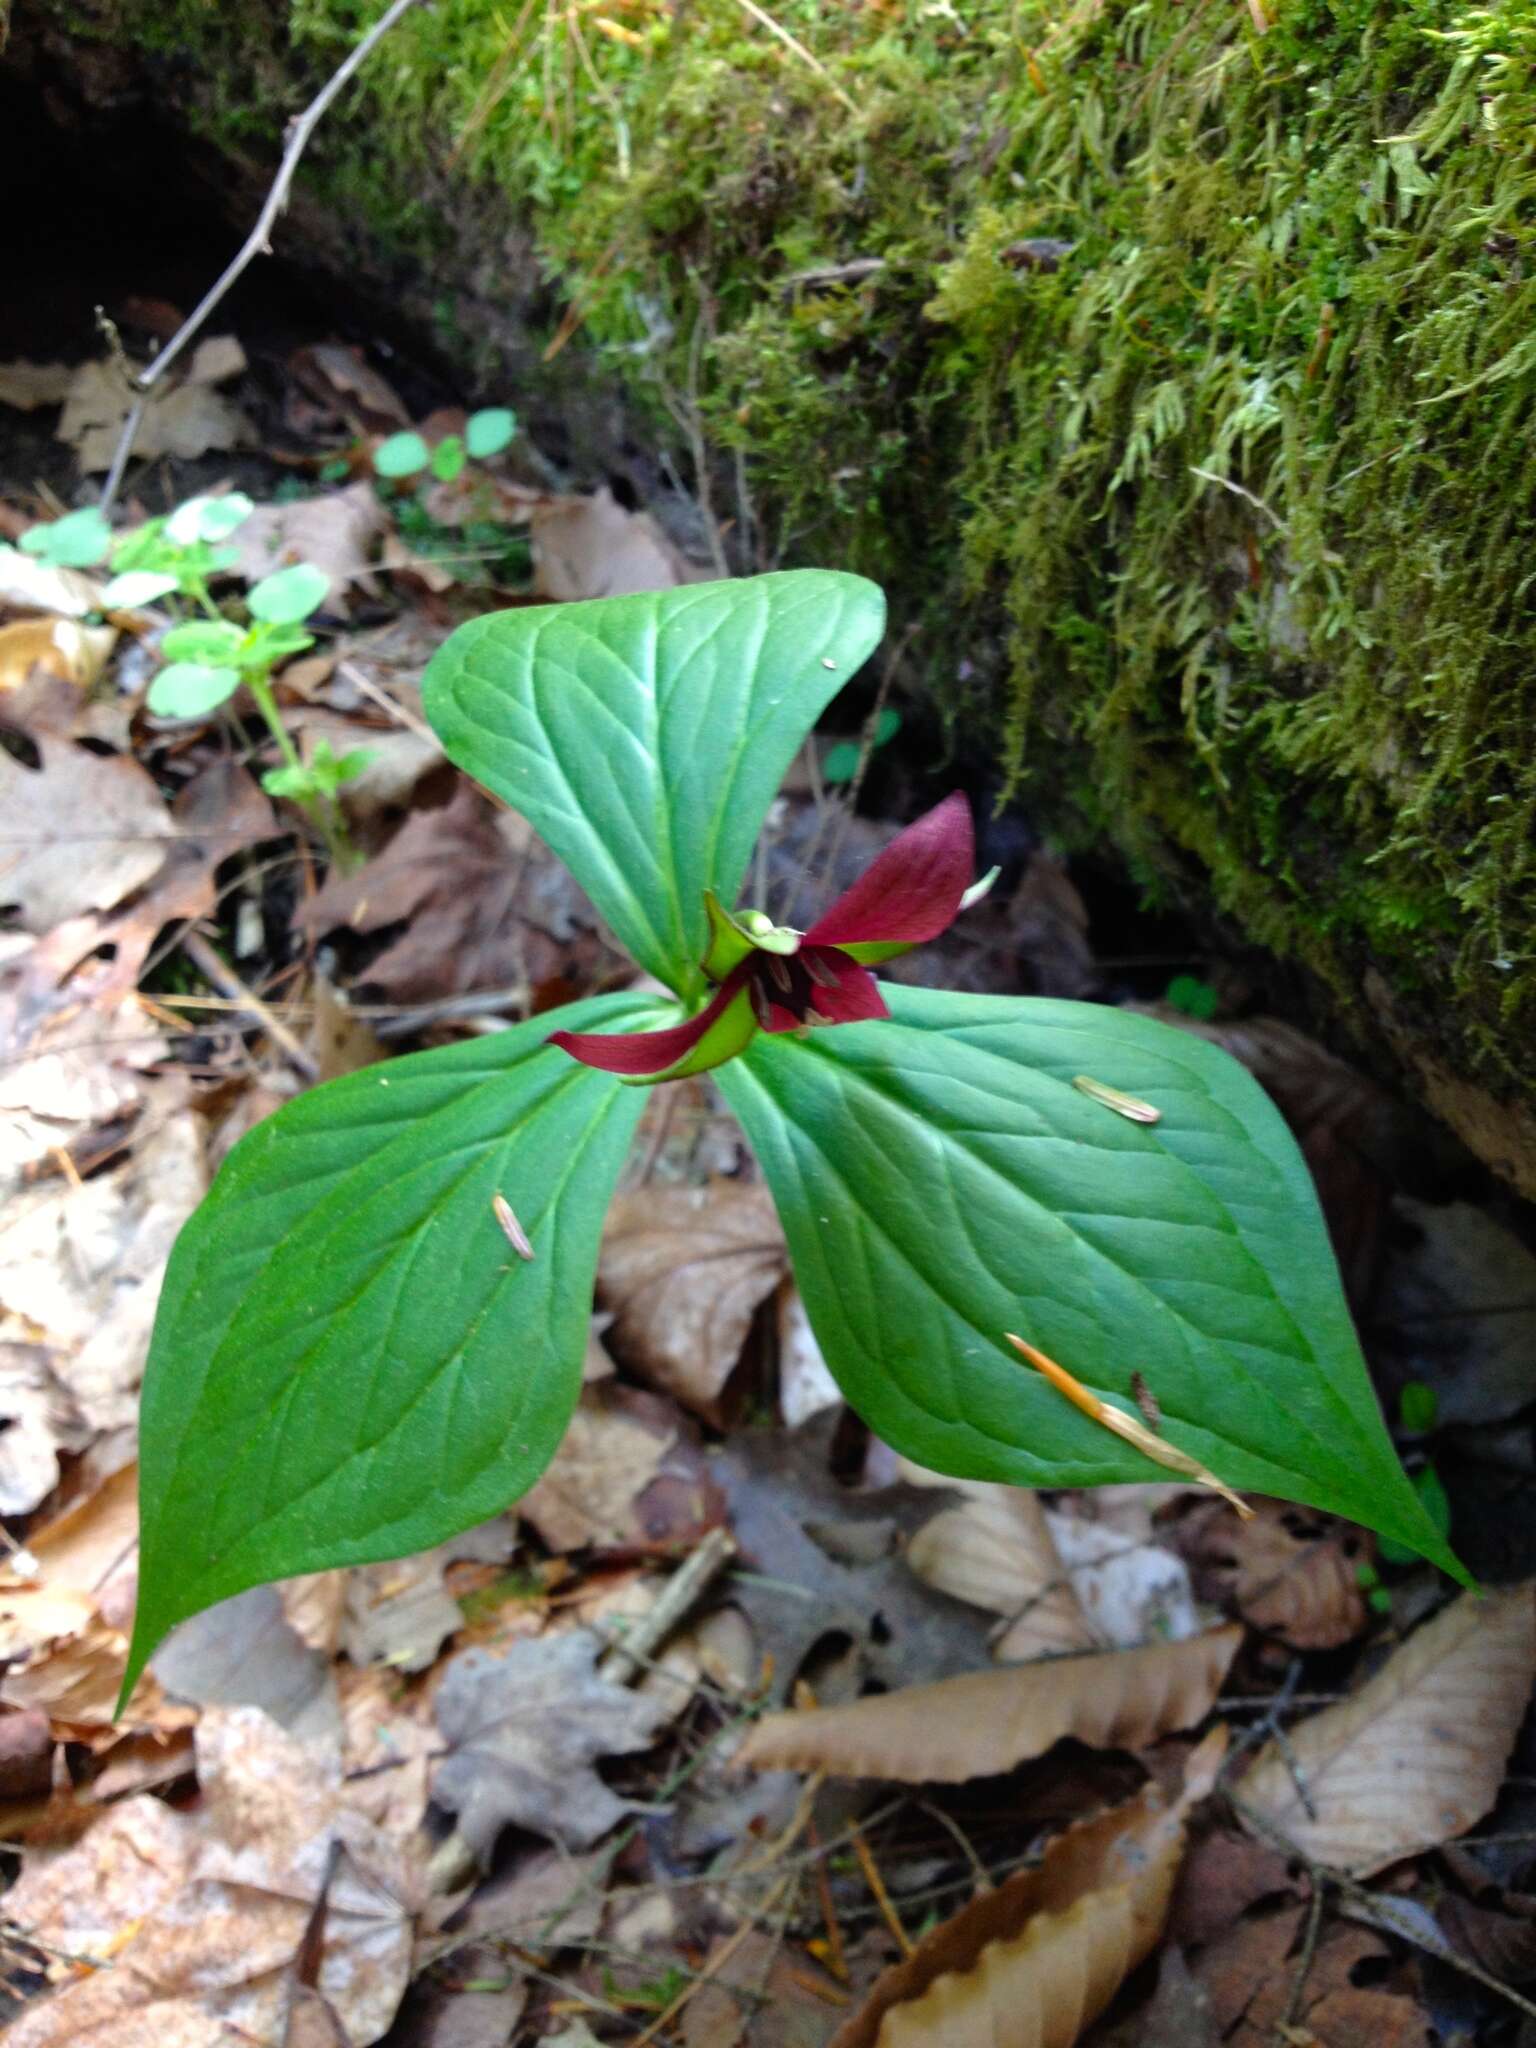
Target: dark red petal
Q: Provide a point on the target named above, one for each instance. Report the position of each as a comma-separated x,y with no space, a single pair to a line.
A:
912,891
856,998
647,1052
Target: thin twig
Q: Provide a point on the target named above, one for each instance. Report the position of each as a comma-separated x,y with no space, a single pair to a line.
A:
1284,2028
794,44
207,962
257,242
686,1585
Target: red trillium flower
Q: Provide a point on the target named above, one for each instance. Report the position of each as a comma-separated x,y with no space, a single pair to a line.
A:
770,978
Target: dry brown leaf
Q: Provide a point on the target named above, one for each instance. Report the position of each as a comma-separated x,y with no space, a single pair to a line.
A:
66,1605
58,647
486,906
30,585
82,831
1417,1754
525,1731
399,1613
1030,1964
38,1421
82,1265
1290,1571
995,1550
202,1914
183,417
985,1722
605,1460
683,1270
593,547
335,532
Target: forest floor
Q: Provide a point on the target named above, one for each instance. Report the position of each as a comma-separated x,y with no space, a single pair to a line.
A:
1206,1781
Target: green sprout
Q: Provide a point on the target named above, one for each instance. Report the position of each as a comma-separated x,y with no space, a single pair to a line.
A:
178,555
209,659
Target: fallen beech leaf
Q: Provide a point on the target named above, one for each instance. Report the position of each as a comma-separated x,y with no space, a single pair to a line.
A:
683,1270
994,1550
82,831
202,1914
593,547
525,1730
1289,1571
1418,1753
1032,1963
985,1722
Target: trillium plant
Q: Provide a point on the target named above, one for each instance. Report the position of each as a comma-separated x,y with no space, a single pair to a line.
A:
371,1333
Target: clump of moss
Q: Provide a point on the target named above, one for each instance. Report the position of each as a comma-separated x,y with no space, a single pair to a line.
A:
1189,366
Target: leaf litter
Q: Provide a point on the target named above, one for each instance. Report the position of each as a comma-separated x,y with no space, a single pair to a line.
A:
535,1842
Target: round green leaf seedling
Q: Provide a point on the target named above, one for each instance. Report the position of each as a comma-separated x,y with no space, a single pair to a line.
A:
190,689
487,433
73,542
401,455
448,459
138,586
289,595
222,515
213,643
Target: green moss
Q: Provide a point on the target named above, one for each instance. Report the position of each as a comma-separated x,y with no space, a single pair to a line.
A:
1234,502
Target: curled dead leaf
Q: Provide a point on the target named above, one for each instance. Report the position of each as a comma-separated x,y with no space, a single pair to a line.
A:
985,1722
1031,1964
994,1550
1418,1753
1290,1571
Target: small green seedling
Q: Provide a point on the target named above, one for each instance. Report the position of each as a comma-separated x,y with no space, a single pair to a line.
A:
1418,1409
211,658
407,454
77,541
1193,997
179,555
842,762
1368,1579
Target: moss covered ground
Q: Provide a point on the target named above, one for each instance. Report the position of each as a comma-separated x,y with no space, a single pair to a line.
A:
1172,361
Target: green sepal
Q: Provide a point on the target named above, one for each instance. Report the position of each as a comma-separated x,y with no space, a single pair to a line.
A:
350,1361
871,951
730,1034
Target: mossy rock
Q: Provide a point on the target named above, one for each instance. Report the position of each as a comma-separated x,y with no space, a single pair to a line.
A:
1172,365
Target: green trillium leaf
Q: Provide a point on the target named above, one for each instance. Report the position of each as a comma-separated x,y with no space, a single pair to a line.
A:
350,1361
942,1181
644,737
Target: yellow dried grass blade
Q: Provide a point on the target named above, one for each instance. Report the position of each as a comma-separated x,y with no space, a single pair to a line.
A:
1127,1427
